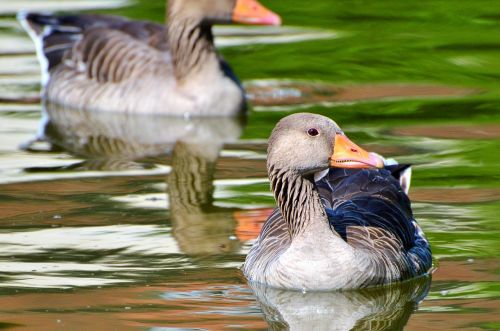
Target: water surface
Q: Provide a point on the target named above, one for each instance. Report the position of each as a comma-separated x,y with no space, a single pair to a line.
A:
121,222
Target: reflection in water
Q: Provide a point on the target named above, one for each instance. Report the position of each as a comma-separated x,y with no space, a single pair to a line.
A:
112,141
96,135
198,226
289,94
66,229
378,308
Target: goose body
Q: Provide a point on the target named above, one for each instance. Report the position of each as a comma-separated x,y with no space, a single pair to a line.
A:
335,228
107,63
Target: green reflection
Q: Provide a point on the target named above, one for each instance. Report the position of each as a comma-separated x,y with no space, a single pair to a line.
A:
455,180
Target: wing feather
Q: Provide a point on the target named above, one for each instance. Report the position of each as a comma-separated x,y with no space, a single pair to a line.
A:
273,239
370,211
106,48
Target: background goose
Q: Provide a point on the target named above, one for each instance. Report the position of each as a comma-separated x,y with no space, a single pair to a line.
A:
337,228
114,64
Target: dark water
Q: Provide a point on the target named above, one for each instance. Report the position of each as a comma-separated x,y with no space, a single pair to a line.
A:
108,224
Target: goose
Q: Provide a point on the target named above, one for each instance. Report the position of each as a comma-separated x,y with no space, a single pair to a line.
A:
108,63
343,220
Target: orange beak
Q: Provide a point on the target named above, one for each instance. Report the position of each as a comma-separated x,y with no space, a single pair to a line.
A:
252,12
347,154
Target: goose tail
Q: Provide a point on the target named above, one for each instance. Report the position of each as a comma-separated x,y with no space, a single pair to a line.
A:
52,36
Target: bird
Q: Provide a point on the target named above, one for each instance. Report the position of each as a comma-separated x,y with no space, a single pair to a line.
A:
110,63
343,220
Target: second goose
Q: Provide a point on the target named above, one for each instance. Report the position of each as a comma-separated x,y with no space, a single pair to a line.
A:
108,63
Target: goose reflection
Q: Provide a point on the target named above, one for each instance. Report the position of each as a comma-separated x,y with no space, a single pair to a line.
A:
376,309
116,141
198,226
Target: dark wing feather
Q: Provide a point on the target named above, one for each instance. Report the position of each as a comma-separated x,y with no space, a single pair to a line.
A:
275,226
370,211
110,48
90,38
397,170
274,237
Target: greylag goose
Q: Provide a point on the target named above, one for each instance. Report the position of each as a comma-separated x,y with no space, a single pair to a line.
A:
109,63
333,228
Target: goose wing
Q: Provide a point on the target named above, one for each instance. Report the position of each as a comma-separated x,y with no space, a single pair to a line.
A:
273,239
370,211
105,48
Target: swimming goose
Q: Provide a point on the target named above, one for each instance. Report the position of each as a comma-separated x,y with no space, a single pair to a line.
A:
109,63
350,226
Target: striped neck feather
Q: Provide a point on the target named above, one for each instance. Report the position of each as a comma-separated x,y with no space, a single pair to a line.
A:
191,45
297,198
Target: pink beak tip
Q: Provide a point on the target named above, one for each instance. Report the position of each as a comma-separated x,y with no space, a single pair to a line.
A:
272,19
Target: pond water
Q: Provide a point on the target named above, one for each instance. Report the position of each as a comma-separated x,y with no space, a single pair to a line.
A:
107,223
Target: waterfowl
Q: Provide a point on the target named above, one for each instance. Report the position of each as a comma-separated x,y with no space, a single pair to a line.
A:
109,63
350,226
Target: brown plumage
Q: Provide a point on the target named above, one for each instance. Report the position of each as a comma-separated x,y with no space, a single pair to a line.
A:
109,63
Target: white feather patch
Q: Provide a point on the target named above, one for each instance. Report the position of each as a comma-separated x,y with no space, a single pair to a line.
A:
38,41
320,174
405,180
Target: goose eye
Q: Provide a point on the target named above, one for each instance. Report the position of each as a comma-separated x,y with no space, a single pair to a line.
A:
312,132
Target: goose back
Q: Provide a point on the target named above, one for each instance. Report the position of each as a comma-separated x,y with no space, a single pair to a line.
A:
370,211
58,34
109,63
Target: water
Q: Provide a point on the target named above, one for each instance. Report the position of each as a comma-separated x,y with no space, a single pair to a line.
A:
108,224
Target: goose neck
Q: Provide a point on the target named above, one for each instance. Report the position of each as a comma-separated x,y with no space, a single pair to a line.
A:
297,198
191,45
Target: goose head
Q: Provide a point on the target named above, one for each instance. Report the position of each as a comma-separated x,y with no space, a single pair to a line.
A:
309,143
223,11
